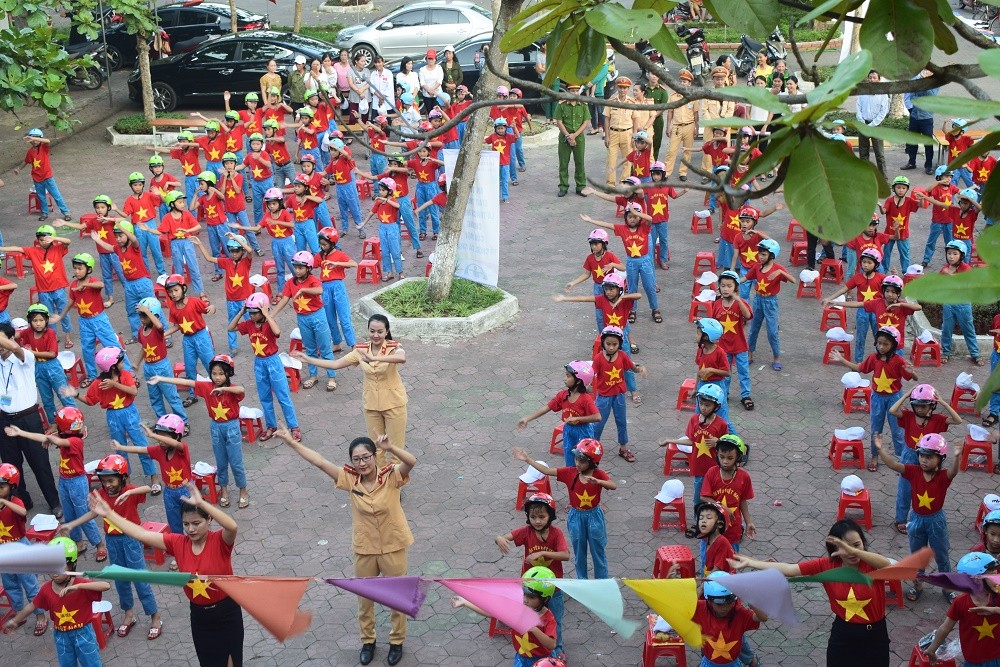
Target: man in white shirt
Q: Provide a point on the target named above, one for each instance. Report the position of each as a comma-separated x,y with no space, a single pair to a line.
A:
19,407
383,91
872,110
431,77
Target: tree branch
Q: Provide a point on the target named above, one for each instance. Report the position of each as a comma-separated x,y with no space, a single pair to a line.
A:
808,8
973,36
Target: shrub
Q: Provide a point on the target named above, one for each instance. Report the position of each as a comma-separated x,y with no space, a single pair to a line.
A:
136,123
467,298
325,33
982,316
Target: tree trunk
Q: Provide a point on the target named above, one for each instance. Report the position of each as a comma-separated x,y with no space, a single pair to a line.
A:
476,127
142,45
297,21
896,107
232,15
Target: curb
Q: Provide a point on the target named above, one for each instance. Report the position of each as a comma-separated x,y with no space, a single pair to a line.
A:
345,9
118,139
549,137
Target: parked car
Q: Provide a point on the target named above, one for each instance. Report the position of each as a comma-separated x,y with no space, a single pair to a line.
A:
234,63
413,28
187,25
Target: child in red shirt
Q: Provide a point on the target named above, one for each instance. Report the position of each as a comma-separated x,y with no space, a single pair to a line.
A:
501,142
658,198
964,218
186,152
868,283
425,169
897,210
733,312
712,361
981,168
870,238
598,264
958,142
46,257
957,313
994,414
236,270
976,614
576,407
187,316
386,209
43,342
942,212
769,276
746,240
332,261
610,366
20,588
716,550
639,160
41,174
278,223
178,225
729,484
724,623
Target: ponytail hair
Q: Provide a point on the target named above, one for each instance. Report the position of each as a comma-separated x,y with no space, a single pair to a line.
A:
378,317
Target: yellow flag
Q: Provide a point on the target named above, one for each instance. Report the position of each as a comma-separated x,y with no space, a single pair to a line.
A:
673,599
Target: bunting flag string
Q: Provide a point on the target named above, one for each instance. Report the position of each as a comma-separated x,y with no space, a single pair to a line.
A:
604,598
271,601
118,573
907,568
500,598
843,575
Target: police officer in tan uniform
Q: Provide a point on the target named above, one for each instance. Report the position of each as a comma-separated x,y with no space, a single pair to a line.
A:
618,125
716,109
682,126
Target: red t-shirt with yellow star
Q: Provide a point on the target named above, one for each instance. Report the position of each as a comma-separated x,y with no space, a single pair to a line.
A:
276,148
341,170
48,341
50,274
234,137
154,345
887,376
142,208
658,200
722,637
957,143
328,271
597,267
71,459
913,430
105,230
303,304
376,139
869,287
188,316
223,406
38,158
262,339
175,469
172,226
977,634
211,208
315,182
717,556
621,201
11,524
127,509
926,497
501,144
111,399
307,138
768,280
426,172
527,537
233,194
981,168
276,114
71,611
714,359
730,493
188,157
703,453
386,214
525,644
714,149
214,148
269,223
133,264
161,181
746,248
216,557
862,242
734,338
888,318
237,279
640,162
963,223
609,376
301,209
582,495
251,120
402,182
636,241
583,405
258,166
944,193
897,216
729,221
854,603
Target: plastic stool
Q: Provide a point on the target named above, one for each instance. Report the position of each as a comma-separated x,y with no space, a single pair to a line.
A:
676,455
555,444
697,287
427,269
699,309
833,316
270,271
983,511
525,489
813,289
371,248
674,507
685,397
13,264
972,448
653,649
964,400
857,399
179,369
670,554
35,206
832,271
919,659
364,189
974,258
251,423
43,536
925,353
703,261
295,341
893,591
6,608
294,377
104,627
795,232
839,449
44,417
369,269
33,295
701,225
207,483
859,502
152,554
799,253
843,346
497,629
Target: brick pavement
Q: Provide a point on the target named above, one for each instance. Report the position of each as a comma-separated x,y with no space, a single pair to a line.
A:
465,400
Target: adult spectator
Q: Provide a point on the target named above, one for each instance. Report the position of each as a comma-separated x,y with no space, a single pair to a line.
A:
780,67
19,407
270,79
407,78
921,122
595,89
792,88
358,98
549,106
431,76
657,93
297,83
383,92
452,70
342,68
314,78
715,109
618,129
380,534
682,125
572,120
871,111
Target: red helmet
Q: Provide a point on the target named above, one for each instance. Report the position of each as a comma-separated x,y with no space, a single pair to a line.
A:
442,180
224,360
330,234
112,464
425,126
69,420
543,498
9,474
590,448
175,279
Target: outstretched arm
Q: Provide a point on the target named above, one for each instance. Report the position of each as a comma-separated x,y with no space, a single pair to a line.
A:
332,470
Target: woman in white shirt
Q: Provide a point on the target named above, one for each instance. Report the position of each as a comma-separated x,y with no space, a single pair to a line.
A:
431,79
407,78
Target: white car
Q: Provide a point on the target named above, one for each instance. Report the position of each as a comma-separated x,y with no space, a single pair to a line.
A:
413,28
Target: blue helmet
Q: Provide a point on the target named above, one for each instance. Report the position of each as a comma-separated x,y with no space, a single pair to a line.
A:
711,328
970,194
956,245
35,132
976,562
712,392
771,246
152,305
731,275
991,519
941,171
713,589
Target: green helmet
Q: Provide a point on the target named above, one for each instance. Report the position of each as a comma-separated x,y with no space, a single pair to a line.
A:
38,308
270,122
103,199
155,161
136,177
173,196
186,135
274,90
68,545
86,259
306,111
212,125
207,176
45,230
251,97
901,180
233,115
229,157
396,157
126,226
542,588
257,136
311,93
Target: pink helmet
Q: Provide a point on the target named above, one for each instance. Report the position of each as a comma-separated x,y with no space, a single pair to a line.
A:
435,114
893,281
612,330
747,130
502,90
633,207
108,357
388,183
933,443
872,253
616,278
632,180
658,166
583,370
170,423
923,394
443,180
302,258
256,301
598,235
890,331
273,194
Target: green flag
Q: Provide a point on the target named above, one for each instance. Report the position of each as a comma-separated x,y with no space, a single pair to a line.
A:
117,573
845,575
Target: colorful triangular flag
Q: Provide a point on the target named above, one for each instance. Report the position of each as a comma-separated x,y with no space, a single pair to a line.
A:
404,594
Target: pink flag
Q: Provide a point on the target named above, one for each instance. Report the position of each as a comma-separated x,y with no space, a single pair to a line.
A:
907,568
404,594
272,601
954,581
500,598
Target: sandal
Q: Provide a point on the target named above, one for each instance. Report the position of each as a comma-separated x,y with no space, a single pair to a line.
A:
657,289
189,401
664,266
309,383
267,434
873,466
657,317
945,359
434,237
43,218
636,399
260,253
776,365
125,628
976,361
155,632
633,348
692,532
101,555
991,420
41,625
109,303
84,383
913,594
747,403
422,236
901,528
297,434
173,565
155,490
216,277
244,503
69,345
331,385
224,501
626,454
631,317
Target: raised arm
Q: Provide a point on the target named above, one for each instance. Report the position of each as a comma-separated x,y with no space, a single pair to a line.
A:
312,457
522,456
101,508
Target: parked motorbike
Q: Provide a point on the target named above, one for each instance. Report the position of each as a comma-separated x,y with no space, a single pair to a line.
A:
680,13
89,77
698,57
746,55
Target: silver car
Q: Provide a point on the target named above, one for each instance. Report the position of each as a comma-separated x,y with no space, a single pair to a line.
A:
411,29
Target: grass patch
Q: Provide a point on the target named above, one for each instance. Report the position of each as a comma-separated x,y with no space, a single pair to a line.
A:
326,33
467,298
136,123
982,316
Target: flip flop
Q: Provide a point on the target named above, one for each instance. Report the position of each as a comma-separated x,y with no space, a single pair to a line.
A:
747,403
154,633
125,628
41,625
776,365
991,420
244,503
224,502
873,466
155,490
267,434
913,594
101,555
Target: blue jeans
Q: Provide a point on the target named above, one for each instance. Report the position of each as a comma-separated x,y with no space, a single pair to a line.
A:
378,163
161,393
217,236
49,379
572,435
77,647
349,203
197,346
127,552
21,588
740,361
616,404
557,604
765,310
705,662
124,427
73,492
863,322
97,328
937,229
903,485
641,268
191,187
257,189
425,193
232,308
598,315
922,126
851,257
47,187
904,254
172,507
587,529
322,215
880,412
389,239
181,253
406,215
696,483
517,155
627,349
282,251
316,339
961,314
504,182
55,301
271,383
995,396
111,266
931,530
338,312
461,131
724,258
135,291
149,243
282,173
962,177
306,237
658,234
227,445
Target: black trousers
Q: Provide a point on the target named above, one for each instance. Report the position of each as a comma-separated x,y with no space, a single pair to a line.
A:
17,450
857,644
811,242
217,632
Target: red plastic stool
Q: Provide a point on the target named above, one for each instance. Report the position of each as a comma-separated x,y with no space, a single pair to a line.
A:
160,292
833,316
13,264
983,511
364,189
653,649
152,554
104,627
795,232
813,289
369,269
703,261
76,373
685,397
6,607
832,271
701,225
524,489
42,536
843,346
33,295
294,377
270,271
675,455
497,629
35,206
698,287
555,444
964,400
295,345
893,591
675,507
925,353
857,399
668,555
972,448
251,425
919,659
800,254
371,248
45,418
427,269
859,502
179,369
975,259
207,485
839,449
699,309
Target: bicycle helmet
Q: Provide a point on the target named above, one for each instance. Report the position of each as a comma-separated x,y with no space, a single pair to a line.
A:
771,246
9,474
103,199
330,234
616,278
170,423
302,258
274,194
872,254
173,196
37,309
255,302
901,180
941,171
892,333
658,167
227,363
251,97
970,194
388,183
234,243
711,392
107,357
233,116
933,443
136,177
152,304
991,519
976,563
212,126
69,547
582,370
955,245
36,133
531,581
717,508
229,157
711,328
732,275
731,439
613,331
175,280
112,464
86,259
208,176
749,212
155,161
590,448
716,592
923,394
893,281
69,420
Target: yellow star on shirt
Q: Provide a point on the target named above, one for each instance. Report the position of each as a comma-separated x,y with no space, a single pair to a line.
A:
301,303
300,213
327,271
541,562
599,272
47,266
954,153
66,617
236,280
984,173
924,500
524,644
5,530
397,193
220,412
188,169
853,606
186,326
175,475
721,648
102,233
423,175
258,347
230,193
84,308
985,629
883,383
64,463
728,324
614,320
703,448
385,217
897,220
947,201
149,351
498,146
180,234
338,176
961,230
868,293
634,250
231,143
257,172
997,345
142,214
127,265
762,286
199,588
306,144
210,211
749,255
659,207
118,403
614,375
279,231
36,163
214,154
734,221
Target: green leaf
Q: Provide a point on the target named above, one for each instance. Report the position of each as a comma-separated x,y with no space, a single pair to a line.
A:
593,53
754,17
981,147
563,54
988,245
51,100
759,97
941,17
954,107
979,285
991,196
989,60
663,41
992,385
780,146
839,6
848,74
731,121
912,37
534,26
661,7
829,191
883,185
626,25
888,133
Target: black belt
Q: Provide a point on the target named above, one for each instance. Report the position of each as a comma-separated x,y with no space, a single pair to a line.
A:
621,129
22,413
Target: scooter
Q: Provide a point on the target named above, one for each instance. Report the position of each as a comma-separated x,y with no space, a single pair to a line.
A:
746,55
89,77
698,57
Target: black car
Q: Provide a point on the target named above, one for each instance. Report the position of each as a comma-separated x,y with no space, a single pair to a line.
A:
187,24
234,63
